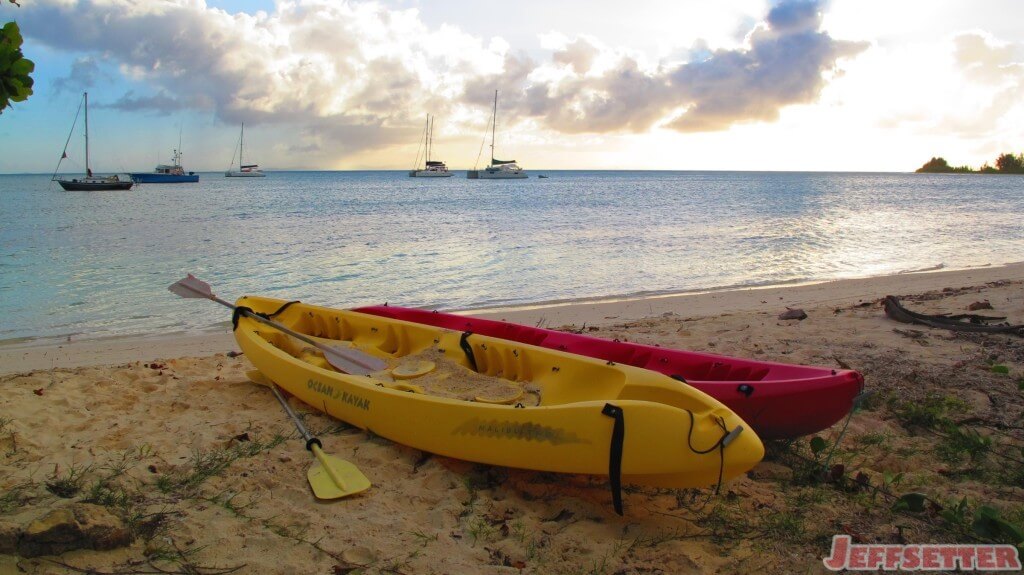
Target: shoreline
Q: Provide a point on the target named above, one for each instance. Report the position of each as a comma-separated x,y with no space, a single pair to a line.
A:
19,356
757,298
491,310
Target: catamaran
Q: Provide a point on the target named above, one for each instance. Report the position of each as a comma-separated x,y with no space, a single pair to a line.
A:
243,171
431,168
89,182
499,169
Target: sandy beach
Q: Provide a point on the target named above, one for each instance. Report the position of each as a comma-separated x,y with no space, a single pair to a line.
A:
166,438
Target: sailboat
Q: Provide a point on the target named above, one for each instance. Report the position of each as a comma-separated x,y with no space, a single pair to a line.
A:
499,169
431,168
244,171
89,182
167,174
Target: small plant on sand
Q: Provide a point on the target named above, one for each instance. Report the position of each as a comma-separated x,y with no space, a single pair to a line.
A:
986,523
960,444
161,558
67,484
930,412
8,434
15,496
423,538
207,464
226,499
479,528
872,439
781,527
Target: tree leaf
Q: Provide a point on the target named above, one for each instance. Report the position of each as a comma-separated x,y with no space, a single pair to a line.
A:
818,444
913,502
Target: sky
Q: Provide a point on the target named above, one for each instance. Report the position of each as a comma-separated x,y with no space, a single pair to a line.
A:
840,85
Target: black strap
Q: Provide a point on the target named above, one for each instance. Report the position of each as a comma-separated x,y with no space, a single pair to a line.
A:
720,445
244,310
615,453
239,312
281,309
466,347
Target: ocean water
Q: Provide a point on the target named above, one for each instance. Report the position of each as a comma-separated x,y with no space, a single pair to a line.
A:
94,264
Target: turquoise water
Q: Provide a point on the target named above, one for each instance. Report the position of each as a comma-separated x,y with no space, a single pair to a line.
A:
98,264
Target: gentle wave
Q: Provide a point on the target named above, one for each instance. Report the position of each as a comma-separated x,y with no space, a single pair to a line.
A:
98,264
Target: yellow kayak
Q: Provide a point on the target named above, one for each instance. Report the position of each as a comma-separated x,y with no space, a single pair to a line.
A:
499,402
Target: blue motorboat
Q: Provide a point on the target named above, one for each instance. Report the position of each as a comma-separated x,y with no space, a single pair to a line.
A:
167,173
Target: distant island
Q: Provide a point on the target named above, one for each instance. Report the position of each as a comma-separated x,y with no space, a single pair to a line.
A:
1005,164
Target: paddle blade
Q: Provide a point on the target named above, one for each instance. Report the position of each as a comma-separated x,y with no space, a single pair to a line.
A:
352,361
191,287
333,478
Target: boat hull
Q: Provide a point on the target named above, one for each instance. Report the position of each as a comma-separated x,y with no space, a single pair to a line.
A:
429,174
567,432
496,175
779,401
86,186
150,178
230,174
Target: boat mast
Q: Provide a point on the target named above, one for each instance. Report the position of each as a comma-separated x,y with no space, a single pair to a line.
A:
494,124
177,153
241,143
88,172
430,137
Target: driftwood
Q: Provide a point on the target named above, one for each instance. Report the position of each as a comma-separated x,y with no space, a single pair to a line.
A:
974,323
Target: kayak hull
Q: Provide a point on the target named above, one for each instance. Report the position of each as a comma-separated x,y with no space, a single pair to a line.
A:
567,432
780,401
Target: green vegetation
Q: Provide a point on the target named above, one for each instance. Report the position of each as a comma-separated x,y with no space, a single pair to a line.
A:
940,166
15,82
1005,164
1010,164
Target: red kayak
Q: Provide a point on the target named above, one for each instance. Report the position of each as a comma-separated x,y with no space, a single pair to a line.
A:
779,401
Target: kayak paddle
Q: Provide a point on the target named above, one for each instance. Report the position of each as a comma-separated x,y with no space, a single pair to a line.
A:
330,477
347,360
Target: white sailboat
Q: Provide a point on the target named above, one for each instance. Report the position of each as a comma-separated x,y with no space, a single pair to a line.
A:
431,168
244,170
499,169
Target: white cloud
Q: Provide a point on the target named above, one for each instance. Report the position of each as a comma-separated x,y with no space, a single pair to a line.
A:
352,76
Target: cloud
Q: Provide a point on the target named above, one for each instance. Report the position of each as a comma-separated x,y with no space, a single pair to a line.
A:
785,61
326,66
352,75
983,59
780,68
1000,67
84,73
579,54
161,103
